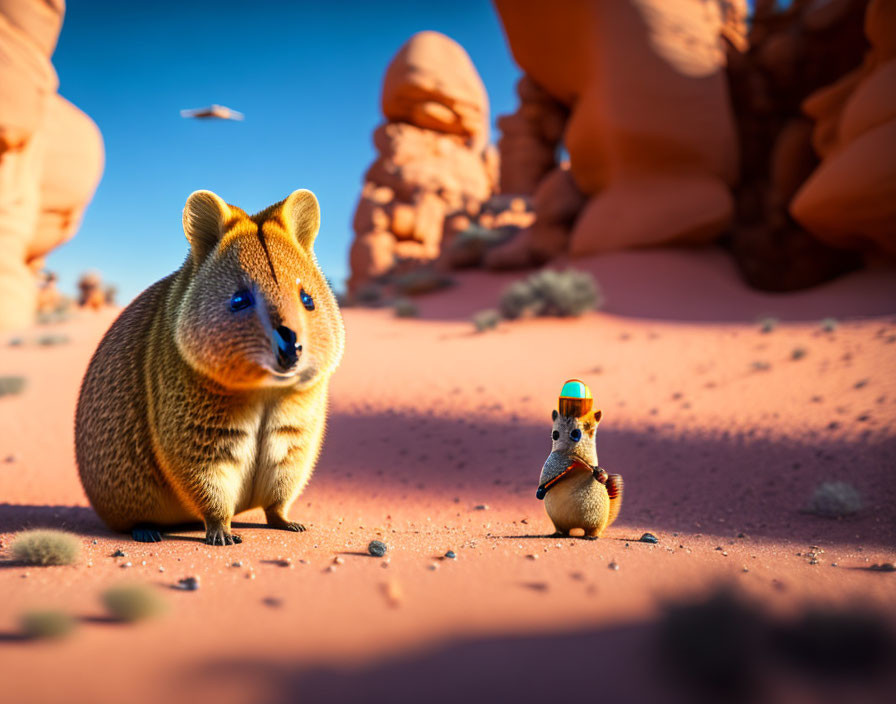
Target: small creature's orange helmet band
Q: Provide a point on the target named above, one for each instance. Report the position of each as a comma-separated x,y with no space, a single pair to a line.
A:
575,399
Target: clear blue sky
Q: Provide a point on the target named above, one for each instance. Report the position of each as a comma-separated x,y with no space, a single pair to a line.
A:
307,77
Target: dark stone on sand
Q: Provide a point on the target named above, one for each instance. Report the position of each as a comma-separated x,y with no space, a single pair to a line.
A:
377,548
648,538
188,584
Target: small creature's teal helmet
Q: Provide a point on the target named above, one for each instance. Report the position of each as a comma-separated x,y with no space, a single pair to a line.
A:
575,399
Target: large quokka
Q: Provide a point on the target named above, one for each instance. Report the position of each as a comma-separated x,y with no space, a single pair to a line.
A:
208,395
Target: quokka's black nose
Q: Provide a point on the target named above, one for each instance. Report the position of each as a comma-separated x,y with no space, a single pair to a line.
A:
288,350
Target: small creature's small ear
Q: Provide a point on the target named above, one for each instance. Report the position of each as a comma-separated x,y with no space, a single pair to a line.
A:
596,415
204,217
554,415
301,213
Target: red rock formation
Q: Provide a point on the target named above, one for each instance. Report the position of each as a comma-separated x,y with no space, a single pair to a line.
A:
850,199
51,155
530,138
433,159
649,133
793,52
90,291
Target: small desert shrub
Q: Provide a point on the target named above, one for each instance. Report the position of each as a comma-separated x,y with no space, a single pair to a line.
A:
52,340
421,281
47,624
834,500
60,315
11,385
486,320
829,324
551,293
767,323
369,295
45,547
405,308
132,603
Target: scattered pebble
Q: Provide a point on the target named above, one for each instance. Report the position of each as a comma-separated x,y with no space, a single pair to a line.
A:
531,557
481,507
238,563
648,538
613,566
272,602
126,565
119,553
188,584
451,555
377,548
393,593
432,566
338,560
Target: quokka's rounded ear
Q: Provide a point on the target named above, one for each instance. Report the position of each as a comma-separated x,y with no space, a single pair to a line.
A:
554,415
301,213
204,216
595,415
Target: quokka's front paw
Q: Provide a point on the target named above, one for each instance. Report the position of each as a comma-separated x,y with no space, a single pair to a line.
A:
284,524
146,534
218,535
278,520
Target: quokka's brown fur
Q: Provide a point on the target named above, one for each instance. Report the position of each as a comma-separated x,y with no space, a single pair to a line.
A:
186,411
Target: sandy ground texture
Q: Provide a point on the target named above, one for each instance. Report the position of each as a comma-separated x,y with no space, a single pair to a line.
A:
435,443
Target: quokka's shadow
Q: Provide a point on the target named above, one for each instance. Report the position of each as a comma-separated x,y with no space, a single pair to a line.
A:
75,519
82,520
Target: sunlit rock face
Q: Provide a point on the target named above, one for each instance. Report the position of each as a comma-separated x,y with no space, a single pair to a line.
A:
850,199
637,94
51,155
433,160
794,51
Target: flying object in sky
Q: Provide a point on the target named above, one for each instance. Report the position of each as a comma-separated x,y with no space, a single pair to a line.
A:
213,111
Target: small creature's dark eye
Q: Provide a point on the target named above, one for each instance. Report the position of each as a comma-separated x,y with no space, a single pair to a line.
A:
307,300
575,434
241,300
555,435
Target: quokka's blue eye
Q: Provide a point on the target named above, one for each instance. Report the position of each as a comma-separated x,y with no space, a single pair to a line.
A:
575,434
307,300
241,300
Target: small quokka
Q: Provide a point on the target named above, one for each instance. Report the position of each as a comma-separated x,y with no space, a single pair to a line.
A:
208,395
577,493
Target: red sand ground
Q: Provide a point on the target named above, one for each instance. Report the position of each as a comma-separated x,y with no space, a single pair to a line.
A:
435,443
